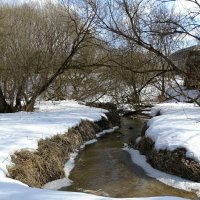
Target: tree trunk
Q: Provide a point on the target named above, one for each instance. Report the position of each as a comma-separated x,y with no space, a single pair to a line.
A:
4,106
18,105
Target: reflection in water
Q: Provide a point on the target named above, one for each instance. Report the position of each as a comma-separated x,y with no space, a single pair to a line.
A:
105,169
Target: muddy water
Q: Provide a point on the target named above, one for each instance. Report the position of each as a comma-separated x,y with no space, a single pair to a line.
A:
105,169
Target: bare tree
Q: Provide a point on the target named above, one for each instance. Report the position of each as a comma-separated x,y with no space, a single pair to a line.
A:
135,22
153,26
49,42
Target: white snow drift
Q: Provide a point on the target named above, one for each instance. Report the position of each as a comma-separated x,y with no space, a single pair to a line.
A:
178,126
23,130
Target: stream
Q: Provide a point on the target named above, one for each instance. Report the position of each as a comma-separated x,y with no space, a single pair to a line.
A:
105,169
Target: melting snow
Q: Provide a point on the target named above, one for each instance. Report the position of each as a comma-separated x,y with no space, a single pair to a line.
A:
177,126
23,130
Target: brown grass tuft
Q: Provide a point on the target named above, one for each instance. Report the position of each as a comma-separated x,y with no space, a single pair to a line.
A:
47,162
173,162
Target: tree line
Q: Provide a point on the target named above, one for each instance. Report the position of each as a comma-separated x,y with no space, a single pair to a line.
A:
87,49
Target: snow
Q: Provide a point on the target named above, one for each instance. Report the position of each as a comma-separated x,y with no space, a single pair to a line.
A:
64,182
168,179
181,94
17,192
88,143
178,126
106,131
23,130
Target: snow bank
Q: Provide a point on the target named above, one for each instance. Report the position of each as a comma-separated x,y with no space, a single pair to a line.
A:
23,130
178,126
163,177
15,191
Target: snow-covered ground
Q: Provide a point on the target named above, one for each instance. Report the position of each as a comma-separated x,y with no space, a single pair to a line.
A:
178,126
23,130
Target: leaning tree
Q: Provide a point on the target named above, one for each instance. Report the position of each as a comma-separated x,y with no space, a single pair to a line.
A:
40,44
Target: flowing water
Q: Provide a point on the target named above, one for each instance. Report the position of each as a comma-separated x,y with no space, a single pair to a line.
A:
105,169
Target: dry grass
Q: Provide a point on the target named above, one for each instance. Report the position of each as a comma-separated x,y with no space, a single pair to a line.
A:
47,162
44,165
173,162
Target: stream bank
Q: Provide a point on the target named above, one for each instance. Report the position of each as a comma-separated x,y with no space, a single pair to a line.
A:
46,164
175,162
105,169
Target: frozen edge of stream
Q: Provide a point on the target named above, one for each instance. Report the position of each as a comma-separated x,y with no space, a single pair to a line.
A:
168,179
70,164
